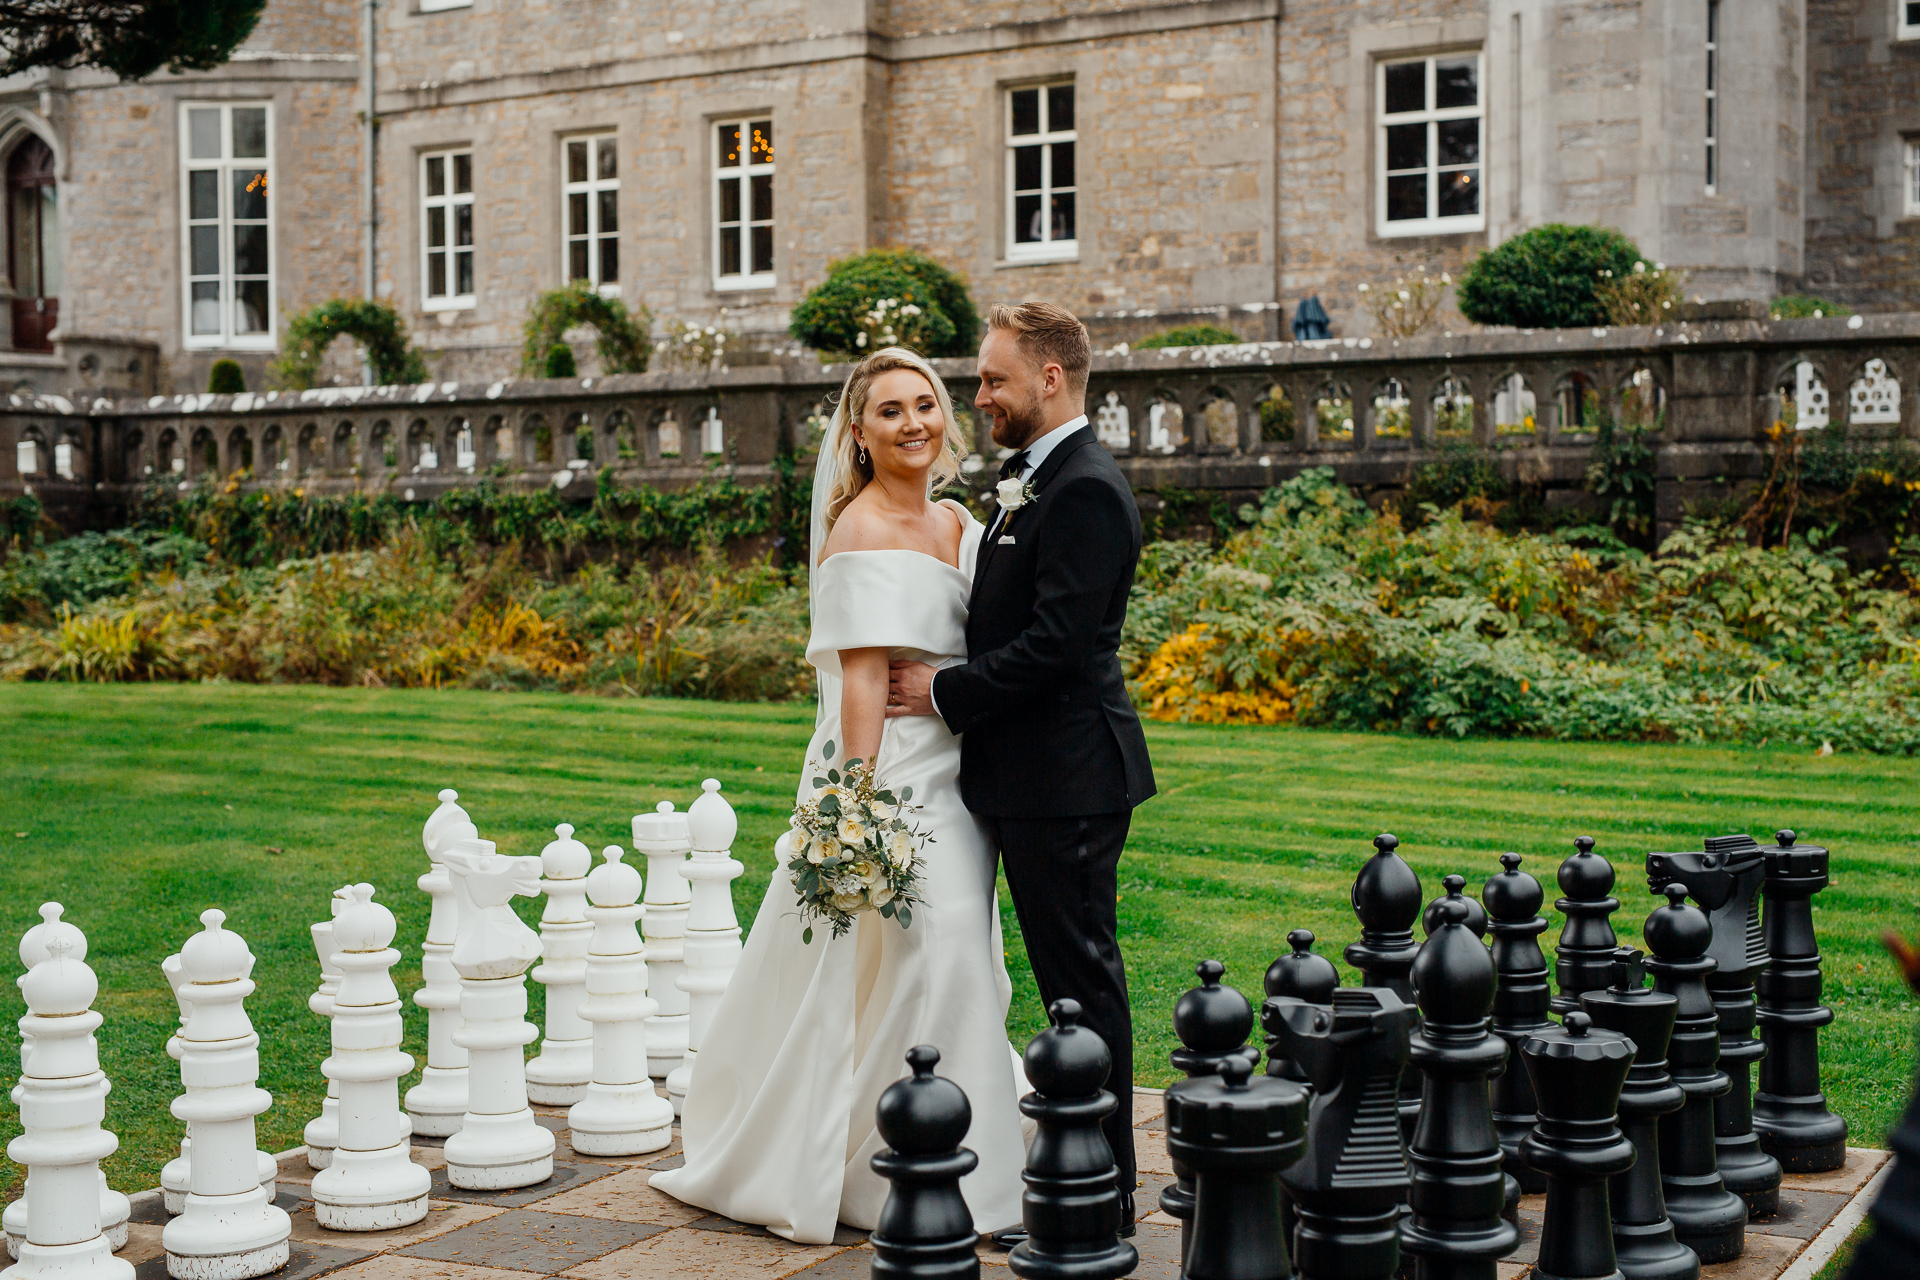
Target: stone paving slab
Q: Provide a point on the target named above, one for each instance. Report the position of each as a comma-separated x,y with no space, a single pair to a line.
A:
597,1219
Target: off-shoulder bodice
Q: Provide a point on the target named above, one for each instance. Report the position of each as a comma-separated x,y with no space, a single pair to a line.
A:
905,601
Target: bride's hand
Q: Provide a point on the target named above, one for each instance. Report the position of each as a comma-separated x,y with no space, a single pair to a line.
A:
909,689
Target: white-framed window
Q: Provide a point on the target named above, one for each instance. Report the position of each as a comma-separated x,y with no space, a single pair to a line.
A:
1910,178
1431,131
446,230
590,205
743,205
226,175
1906,19
1713,95
1041,214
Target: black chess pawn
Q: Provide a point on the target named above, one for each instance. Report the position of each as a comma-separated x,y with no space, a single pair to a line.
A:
1476,914
1457,1190
1071,1206
1643,1239
1236,1132
1725,879
1583,958
1302,975
925,1231
1577,1073
1386,898
1520,1005
1212,1023
1350,1186
1789,1112
1707,1218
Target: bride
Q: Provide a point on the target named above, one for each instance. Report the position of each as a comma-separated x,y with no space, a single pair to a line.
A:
778,1122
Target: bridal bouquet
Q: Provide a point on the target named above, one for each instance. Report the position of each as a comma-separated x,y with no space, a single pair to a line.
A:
854,849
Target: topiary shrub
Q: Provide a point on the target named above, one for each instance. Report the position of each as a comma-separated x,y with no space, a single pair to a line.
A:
560,362
1545,278
226,378
377,327
624,338
838,311
1804,306
1190,335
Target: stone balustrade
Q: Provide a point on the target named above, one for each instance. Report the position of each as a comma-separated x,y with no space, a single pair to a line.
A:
1228,419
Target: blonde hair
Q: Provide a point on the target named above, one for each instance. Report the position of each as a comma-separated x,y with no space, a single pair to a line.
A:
854,473
1047,334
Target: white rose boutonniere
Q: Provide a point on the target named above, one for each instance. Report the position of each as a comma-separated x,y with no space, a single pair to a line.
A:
1013,494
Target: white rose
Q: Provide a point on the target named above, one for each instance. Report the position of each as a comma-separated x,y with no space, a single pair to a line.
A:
851,831
881,894
880,810
850,902
1011,493
900,848
819,850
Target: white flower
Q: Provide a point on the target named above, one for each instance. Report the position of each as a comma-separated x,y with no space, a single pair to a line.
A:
880,810
859,339
1012,493
851,831
819,849
1445,278
1639,268
1404,295
1364,288
900,848
880,895
852,902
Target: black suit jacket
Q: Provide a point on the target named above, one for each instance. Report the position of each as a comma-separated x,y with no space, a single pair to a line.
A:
1049,730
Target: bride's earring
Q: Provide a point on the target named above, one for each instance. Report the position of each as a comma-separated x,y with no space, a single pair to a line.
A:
860,453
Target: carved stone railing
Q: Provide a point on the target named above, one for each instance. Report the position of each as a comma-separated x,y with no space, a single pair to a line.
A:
1232,418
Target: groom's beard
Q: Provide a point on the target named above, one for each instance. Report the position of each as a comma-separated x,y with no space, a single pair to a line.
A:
1021,426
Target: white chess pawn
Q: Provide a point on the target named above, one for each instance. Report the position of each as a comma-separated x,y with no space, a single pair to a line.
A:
559,1075
229,1229
713,931
63,1099
500,1145
323,1132
662,837
372,1183
621,1114
33,949
177,1175
439,1101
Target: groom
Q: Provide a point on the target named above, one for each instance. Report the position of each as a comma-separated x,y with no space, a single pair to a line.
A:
1053,761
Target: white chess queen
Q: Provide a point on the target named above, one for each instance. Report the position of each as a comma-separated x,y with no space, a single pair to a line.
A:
778,1122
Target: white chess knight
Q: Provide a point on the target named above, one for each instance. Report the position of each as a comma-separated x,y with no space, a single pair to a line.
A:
662,837
34,946
322,1133
371,1184
439,1101
229,1229
177,1175
621,1114
500,1145
559,1075
63,1098
713,931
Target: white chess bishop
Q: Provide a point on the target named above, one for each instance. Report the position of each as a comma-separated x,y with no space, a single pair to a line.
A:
322,1133
559,1075
439,1102
621,1114
63,1098
500,1145
228,1229
34,946
371,1184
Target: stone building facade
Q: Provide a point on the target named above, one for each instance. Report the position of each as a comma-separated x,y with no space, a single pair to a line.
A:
1142,163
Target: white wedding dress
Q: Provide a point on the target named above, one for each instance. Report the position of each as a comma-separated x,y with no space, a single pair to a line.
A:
778,1122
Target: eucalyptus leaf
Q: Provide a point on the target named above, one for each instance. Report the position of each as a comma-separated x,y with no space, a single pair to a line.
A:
806,936
819,783
826,752
906,794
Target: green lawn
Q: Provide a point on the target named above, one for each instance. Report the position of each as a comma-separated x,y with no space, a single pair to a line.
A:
140,806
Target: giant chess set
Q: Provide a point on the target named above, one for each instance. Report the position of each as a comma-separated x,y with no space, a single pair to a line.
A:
1393,1130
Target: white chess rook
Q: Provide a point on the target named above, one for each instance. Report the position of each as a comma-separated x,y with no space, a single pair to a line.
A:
662,837
439,1101
34,946
621,1114
500,1145
229,1228
322,1133
372,1183
63,1098
559,1075
713,931
177,1175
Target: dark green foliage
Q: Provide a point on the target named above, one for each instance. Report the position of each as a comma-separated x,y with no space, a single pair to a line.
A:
1189,335
1184,512
377,327
828,318
624,338
1459,473
1620,471
1802,306
1276,418
560,362
226,378
1545,278
19,521
89,567
130,39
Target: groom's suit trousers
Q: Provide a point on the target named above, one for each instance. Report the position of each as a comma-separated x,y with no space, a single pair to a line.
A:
1065,882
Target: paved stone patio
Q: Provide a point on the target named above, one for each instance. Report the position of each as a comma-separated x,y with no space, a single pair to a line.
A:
599,1220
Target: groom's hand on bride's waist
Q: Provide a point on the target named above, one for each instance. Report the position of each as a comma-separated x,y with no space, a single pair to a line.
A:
910,689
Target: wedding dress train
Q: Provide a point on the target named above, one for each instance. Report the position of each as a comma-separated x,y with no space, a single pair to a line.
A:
778,1122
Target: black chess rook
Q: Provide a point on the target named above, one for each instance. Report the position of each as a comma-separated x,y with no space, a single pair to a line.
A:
1236,1131
1212,1023
1789,1112
1577,1072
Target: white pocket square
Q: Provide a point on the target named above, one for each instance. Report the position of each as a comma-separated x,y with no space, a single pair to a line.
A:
1006,541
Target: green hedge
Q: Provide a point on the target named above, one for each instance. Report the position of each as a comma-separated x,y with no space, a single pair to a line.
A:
1545,278
828,318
